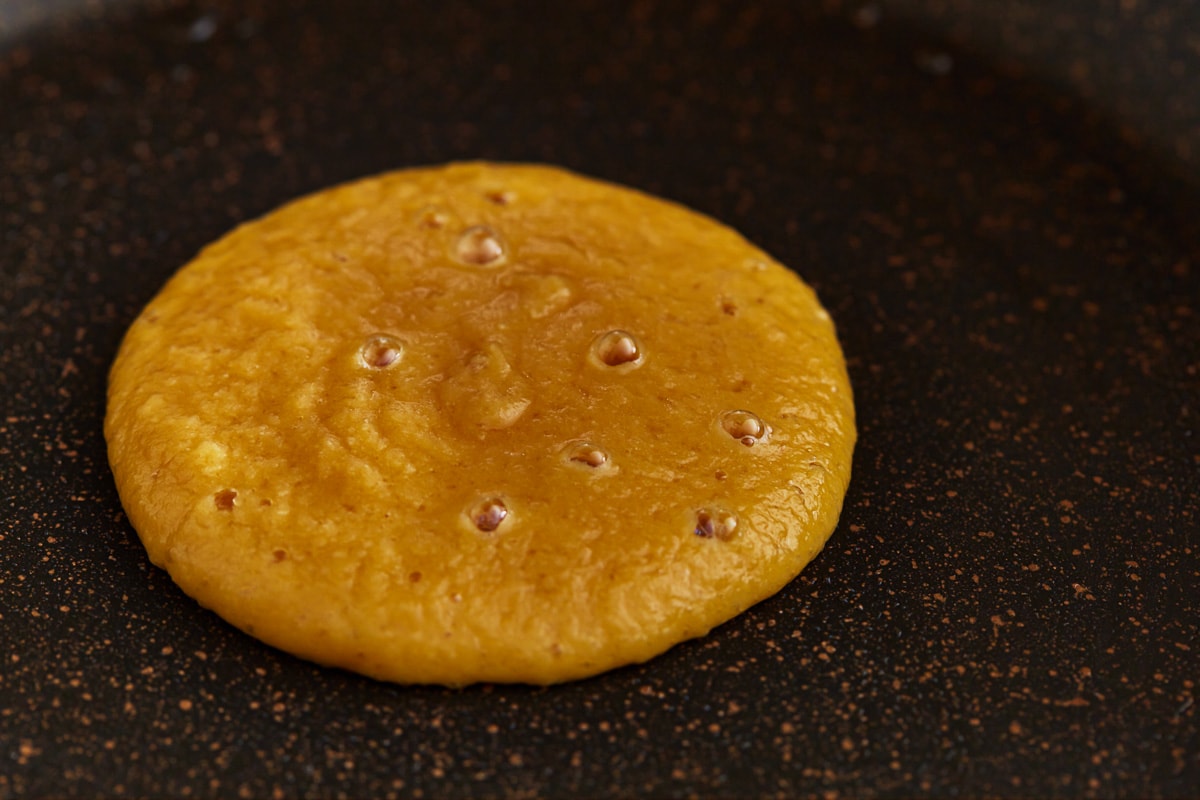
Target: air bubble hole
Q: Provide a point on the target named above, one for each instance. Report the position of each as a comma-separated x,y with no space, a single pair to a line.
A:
480,246
489,514
380,351
715,523
617,349
745,426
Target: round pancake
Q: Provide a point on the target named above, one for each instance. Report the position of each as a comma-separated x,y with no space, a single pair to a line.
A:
481,423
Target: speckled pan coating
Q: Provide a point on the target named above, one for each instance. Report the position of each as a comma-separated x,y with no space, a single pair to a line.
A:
1011,607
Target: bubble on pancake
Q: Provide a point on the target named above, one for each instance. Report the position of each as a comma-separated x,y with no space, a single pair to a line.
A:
225,499
617,348
380,351
432,218
715,523
745,426
586,455
501,197
488,514
480,246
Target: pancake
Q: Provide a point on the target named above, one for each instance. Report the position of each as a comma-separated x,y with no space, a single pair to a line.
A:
481,422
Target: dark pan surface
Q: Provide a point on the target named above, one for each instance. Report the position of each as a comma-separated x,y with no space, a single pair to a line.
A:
1009,606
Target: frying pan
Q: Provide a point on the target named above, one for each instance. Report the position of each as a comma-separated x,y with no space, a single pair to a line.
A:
998,204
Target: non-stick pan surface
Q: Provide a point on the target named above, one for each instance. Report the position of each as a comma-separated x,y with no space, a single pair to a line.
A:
1009,606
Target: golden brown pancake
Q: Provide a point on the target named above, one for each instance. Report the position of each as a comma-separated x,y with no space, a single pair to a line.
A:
481,423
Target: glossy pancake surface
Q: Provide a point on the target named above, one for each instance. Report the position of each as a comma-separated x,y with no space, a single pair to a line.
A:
481,423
